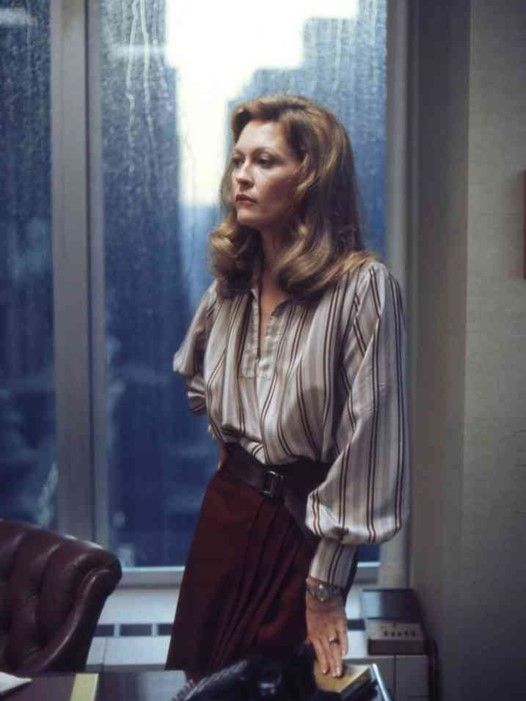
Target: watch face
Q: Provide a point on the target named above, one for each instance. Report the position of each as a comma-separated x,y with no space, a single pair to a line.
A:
321,593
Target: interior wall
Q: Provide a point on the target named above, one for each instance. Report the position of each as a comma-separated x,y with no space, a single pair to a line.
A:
469,376
441,64
494,495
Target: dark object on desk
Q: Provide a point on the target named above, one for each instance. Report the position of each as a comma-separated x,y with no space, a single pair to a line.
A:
143,686
259,678
52,591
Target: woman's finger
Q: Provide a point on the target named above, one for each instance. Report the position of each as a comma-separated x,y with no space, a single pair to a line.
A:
321,656
334,654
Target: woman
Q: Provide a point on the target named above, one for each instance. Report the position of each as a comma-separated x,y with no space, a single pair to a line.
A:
296,354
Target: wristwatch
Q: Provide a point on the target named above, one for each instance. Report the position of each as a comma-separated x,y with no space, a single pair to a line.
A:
322,591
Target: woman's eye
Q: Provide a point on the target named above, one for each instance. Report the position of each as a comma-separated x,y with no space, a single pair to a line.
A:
235,161
265,162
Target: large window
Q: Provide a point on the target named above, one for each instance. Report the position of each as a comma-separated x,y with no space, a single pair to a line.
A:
170,73
141,92
28,466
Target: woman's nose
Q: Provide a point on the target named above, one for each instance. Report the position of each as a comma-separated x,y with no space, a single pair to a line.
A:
242,174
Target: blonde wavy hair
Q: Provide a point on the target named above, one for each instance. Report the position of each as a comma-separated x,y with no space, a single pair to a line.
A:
323,240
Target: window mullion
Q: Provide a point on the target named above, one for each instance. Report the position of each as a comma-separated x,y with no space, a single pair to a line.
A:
97,278
71,267
394,555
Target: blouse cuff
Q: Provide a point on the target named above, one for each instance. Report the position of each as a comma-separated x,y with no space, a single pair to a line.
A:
332,562
196,400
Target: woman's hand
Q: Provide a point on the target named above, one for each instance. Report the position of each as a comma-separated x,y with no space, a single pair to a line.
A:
327,631
223,454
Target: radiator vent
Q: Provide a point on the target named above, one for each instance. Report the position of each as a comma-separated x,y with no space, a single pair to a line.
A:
147,630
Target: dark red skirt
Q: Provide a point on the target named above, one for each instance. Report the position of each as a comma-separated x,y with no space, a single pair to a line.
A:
243,589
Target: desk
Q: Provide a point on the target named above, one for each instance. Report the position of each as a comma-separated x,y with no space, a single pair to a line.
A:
120,686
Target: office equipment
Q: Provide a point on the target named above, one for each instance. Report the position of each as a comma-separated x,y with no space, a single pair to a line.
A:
393,622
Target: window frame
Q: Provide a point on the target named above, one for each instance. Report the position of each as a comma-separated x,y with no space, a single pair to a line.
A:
78,266
71,268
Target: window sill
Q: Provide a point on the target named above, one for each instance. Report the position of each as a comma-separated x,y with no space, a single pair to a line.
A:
162,577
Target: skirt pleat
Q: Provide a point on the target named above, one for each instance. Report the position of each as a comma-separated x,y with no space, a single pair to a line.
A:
243,590
268,572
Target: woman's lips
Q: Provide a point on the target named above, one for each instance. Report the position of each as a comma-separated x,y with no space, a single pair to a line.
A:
245,198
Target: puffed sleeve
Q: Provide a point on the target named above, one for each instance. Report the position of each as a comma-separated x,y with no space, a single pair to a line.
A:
364,498
188,360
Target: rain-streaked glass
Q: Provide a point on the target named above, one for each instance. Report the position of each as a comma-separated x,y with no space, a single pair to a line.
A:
171,70
28,470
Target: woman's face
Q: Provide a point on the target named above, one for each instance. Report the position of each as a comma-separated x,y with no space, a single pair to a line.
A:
263,180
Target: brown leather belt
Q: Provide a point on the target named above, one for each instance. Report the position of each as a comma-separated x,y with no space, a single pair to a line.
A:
291,482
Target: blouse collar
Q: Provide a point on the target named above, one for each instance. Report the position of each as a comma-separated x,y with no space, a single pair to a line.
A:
255,284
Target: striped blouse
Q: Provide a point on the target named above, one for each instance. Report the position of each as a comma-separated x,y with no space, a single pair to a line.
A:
328,385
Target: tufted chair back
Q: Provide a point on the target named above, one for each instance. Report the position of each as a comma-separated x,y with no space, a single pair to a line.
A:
52,590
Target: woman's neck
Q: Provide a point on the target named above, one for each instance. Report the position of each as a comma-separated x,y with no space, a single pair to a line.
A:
272,250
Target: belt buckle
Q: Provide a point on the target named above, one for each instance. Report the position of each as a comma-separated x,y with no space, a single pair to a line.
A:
272,484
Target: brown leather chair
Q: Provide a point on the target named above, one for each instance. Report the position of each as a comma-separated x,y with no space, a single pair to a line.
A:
52,590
